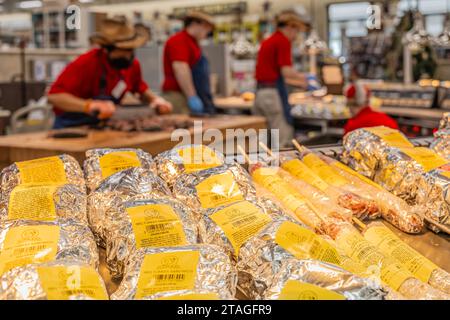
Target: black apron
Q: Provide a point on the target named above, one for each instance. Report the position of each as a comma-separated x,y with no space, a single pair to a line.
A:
76,119
284,96
200,77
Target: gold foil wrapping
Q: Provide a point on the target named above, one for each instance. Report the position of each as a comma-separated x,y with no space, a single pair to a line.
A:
71,173
153,226
24,283
213,272
102,163
117,189
400,174
325,276
44,202
73,241
186,159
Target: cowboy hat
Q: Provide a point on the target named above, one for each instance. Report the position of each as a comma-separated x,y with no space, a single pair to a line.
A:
200,16
292,18
119,33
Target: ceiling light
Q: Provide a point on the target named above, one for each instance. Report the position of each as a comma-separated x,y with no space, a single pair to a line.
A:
29,4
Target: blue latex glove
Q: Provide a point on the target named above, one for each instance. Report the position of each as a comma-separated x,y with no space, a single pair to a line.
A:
195,104
313,82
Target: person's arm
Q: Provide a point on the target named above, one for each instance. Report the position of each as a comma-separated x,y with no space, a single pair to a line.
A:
160,104
294,77
70,103
183,74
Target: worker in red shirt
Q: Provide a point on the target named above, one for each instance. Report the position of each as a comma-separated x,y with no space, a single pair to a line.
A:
186,70
358,97
91,86
274,68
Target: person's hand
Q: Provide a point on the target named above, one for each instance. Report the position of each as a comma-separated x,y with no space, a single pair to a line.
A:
313,82
103,109
161,105
195,104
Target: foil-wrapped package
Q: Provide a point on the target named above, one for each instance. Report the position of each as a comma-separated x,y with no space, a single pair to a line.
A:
262,257
185,295
315,280
66,279
417,175
25,242
43,202
441,143
117,189
186,159
231,226
136,224
197,267
103,163
63,169
215,187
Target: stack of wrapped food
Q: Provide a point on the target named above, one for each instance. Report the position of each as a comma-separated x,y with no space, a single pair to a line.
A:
418,175
47,250
441,143
191,224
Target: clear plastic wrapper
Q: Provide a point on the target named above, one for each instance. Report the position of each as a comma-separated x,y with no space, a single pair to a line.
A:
66,279
103,163
44,202
186,159
117,189
315,280
215,187
417,175
25,242
391,245
393,209
198,268
231,226
63,169
390,271
313,170
157,222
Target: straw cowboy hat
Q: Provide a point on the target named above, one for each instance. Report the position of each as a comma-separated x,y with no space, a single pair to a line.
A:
200,16
292,18
118,32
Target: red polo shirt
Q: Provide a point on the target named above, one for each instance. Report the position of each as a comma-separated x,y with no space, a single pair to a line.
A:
82,77
369,118
180,47
275,53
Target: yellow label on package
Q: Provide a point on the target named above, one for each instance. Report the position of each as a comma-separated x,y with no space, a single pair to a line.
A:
28,244
156,225
32,202
240,222
299,170
392,137
303,243
387,269
199,158
323,170
44,170
297,290
427,158
60,283
269,179
389,244
114,162
167,271
193,296
343,167
218,190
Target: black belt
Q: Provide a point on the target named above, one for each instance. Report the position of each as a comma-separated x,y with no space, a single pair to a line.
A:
266,85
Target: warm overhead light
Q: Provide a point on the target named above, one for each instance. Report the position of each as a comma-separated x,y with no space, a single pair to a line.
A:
29,4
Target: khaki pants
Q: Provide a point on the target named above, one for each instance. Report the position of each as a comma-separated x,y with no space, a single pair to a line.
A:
268,104
178,101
